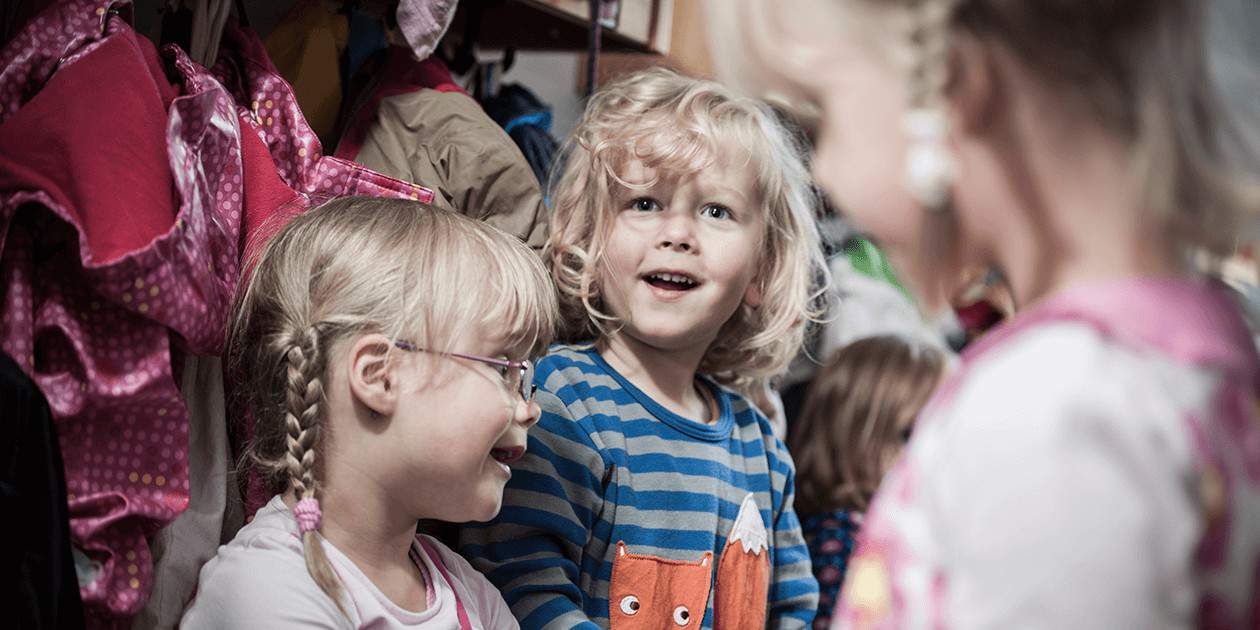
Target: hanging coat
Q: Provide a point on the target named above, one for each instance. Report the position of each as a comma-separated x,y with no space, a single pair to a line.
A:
414,123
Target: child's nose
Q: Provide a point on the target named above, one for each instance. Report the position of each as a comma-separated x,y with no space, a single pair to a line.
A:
678,234
526,413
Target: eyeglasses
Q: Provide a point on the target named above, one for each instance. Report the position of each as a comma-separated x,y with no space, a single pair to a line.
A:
519,375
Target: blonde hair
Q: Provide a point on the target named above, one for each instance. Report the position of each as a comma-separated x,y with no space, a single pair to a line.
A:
852,416
356,266
1137,66
679,125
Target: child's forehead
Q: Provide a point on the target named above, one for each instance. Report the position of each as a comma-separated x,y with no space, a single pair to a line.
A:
674,151
729,174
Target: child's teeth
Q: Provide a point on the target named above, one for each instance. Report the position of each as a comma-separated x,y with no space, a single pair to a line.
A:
671,277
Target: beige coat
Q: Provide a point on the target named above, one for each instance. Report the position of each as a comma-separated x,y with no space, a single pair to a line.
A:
445,141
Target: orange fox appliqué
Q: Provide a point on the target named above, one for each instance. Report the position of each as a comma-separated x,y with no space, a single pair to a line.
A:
652,593
743,577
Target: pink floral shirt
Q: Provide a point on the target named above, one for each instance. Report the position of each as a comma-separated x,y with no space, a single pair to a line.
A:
1094,464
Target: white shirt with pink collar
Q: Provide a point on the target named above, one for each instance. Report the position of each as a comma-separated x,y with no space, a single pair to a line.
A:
260,580
1093,464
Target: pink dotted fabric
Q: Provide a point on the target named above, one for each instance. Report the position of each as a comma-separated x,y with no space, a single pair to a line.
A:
123,203
96,330
269,108
30,57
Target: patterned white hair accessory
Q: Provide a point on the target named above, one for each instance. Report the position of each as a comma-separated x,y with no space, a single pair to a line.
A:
931,169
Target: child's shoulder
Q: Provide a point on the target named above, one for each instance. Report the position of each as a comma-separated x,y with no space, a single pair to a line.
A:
272,529
745,411
1052,360
574,371
561,356
1169,342
1071,377
250,579
268,543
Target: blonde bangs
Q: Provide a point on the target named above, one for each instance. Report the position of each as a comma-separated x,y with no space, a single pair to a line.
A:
519,303
470,278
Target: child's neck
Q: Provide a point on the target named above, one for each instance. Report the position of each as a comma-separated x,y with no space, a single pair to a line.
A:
1073,211
368,529
668,377
1037,272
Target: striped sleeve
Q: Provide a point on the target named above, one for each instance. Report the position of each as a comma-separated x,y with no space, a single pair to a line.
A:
533,550
794,590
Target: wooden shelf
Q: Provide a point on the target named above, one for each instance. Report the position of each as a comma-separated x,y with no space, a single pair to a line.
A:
640,25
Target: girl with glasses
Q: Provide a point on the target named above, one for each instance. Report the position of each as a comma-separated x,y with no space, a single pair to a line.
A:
388,383
654,495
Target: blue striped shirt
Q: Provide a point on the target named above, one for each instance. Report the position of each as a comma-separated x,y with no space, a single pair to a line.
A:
606,465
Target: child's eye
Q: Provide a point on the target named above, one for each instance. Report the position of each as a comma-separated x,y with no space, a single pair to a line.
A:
645,204
714,211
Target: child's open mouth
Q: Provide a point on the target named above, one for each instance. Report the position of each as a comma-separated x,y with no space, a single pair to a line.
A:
507,455
671,281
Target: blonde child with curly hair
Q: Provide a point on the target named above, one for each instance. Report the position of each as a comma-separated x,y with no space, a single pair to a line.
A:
686,255
1095,461
384,348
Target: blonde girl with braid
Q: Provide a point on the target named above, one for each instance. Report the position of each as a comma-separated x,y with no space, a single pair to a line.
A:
385,349
1094,462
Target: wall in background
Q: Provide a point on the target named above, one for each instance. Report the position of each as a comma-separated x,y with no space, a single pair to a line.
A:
554,78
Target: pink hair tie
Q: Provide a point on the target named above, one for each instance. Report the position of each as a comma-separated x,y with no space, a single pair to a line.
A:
308,514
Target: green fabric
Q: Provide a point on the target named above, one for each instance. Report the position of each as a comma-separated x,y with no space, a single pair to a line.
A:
869,261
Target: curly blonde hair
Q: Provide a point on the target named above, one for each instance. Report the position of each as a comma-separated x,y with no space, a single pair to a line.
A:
357,266
681,125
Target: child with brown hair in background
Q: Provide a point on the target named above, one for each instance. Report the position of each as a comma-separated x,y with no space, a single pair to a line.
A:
858,413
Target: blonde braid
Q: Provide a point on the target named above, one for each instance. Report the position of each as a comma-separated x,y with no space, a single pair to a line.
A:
930,167
929,34
304,391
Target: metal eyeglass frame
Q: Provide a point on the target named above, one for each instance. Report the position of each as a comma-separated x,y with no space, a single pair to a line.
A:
525,387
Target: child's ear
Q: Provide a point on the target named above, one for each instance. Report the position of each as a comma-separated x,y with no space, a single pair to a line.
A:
973,84
752,295
371,377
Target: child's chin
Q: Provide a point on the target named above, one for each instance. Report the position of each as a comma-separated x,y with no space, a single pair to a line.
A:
666,338
488,510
